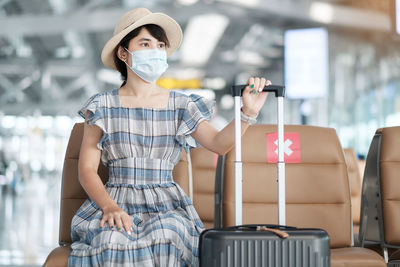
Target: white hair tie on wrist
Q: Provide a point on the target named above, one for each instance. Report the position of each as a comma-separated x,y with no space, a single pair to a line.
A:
248,119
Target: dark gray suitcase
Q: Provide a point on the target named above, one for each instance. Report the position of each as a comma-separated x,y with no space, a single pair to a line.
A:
246,246
263,245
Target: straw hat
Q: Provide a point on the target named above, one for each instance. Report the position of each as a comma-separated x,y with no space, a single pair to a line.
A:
134,19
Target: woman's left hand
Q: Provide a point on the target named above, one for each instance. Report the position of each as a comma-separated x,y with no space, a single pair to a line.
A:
253,96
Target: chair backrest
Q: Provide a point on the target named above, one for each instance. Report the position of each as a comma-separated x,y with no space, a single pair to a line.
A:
355,183
72,193
390,183
317,187
181,173
380,207
203,165
203,172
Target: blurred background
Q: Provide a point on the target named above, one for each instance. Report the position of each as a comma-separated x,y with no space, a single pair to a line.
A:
339,60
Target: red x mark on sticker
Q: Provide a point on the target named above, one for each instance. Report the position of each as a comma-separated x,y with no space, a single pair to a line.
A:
291,148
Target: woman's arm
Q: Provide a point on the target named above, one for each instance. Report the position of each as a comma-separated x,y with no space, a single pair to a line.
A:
89,159
219,142
223,141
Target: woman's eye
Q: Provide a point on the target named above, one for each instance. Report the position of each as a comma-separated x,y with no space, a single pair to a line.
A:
161,45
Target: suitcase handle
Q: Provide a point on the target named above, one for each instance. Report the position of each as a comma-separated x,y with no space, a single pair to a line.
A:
273,228
279,93
279,233
279,90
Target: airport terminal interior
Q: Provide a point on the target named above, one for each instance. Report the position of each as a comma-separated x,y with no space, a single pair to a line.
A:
339,61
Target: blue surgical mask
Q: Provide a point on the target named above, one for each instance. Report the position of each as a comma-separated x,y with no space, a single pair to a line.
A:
148,64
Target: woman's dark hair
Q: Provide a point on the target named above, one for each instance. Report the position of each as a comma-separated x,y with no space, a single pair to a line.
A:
155,30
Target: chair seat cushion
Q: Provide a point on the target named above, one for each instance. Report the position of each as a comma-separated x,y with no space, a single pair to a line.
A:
356,257
58,257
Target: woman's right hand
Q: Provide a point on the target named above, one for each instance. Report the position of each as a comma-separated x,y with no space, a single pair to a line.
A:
116,218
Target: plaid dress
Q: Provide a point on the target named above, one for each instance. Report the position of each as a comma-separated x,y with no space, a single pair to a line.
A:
140,146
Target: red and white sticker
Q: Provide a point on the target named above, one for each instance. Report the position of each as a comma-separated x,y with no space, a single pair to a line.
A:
291,148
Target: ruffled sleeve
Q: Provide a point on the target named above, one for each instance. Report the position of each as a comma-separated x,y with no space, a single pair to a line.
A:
195,110
96,116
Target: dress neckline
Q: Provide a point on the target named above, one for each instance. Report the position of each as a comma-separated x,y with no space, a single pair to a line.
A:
116,93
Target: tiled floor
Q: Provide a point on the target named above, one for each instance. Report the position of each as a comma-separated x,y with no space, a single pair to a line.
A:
29,218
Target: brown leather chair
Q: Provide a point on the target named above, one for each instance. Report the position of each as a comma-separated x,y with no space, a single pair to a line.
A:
203,172
380,208
317,189
73,195
355,187
204,164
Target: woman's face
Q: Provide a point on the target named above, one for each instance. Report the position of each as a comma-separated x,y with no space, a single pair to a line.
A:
144,40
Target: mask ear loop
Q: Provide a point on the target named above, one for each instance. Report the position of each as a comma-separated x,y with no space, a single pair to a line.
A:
126,63
130,54
124,82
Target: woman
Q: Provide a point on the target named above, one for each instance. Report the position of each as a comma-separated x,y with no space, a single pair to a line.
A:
141,217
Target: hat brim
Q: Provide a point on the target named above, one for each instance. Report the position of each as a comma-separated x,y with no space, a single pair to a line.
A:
170,26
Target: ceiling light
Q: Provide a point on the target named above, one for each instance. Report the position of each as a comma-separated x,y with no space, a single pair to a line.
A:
21,48
73,40
201,36
252,58
248,3
322,12
187,2
59,6
24,51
